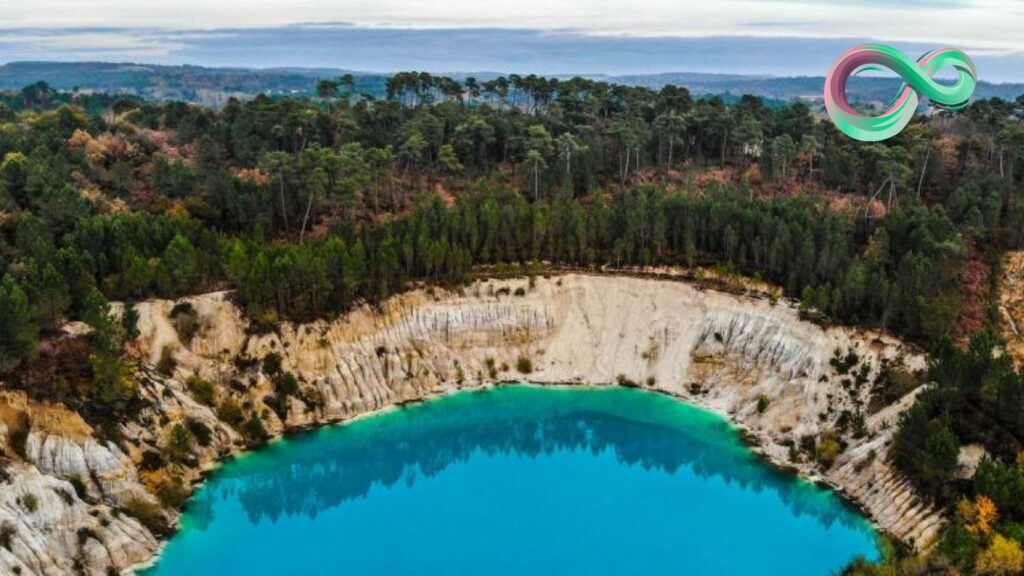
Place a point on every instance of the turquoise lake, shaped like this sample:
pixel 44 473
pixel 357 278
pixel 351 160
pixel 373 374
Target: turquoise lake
pixel 515 480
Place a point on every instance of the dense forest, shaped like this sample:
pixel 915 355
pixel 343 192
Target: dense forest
pixel 306 206
pixel 975 396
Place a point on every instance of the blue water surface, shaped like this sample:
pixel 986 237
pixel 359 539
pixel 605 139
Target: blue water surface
pixel 515 481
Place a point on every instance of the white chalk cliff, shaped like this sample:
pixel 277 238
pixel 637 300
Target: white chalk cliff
pixel 724 352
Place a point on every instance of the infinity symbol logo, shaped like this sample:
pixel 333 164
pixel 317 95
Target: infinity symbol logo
pixel 917 81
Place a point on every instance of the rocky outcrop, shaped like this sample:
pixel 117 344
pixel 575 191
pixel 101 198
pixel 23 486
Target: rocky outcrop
pixel 102 468
pixel 751 360
pixel 57 505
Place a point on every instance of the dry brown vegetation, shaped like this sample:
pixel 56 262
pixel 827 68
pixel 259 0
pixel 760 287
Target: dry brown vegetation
pixel 1011 303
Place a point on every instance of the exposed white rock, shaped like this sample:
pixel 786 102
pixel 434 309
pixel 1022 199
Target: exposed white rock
pixel 969 459
pixel 103 469
pixel 58 532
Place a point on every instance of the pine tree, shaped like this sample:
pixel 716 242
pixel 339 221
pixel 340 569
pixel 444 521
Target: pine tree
pixel 18 331
pixel 179 267
pixel 114 387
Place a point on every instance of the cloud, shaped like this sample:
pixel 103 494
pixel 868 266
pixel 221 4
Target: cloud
pixel 779 50
pixel 995 23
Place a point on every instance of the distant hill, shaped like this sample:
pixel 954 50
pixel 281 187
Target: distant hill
pixel 213 86
pixel 792 87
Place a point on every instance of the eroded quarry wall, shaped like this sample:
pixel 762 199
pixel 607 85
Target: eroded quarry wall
pixel 751 360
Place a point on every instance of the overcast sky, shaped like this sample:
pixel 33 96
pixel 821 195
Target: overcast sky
pixel 144 30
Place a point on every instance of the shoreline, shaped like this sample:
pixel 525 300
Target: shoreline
pixel 745 436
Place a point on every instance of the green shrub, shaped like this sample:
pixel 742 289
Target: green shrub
pixel 278 403
pixel 186 322
pixel 843 364
pixel 1003 484
pixel 623 380
pixel 312 398
pixel 287 384
pixel 244 362
pixel 808 442
pixel 65 495
pixel 827 448
pixel 149 515
pixel 179 443
pixel 167 364
pixel 263 320
pixel 254 431
pixel 200 431
pixel 29 502
pixel 524 365
pixel 892 383
pixel 1013 531
pixel 7 533
pixel 19 438
pixel 272 364
pixel 202 390
pixel 866 461
pixel 85 533
pixel 182 308
pixel 172 492
pixel 229 411
pixel 130 321
pixel 859 425
pixel 109 431
pixel 926 447
pixel 151 460
pixel 762 403
pixel 79 487
pixel 960 545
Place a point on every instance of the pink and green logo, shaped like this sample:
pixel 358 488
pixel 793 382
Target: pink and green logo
pixel 917 82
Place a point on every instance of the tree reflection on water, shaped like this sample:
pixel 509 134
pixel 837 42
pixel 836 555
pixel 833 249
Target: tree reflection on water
pixel 319 470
